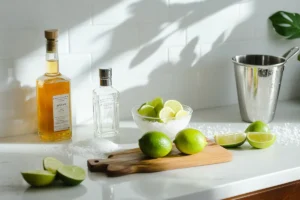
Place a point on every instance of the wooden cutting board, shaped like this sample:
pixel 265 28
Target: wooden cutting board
pixel 134 161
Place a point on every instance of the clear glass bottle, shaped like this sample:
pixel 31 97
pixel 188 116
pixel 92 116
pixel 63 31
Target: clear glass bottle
pixel 106 106
pixel 53 96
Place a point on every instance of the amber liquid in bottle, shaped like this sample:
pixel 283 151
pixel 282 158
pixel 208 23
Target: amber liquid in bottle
pixel 53 97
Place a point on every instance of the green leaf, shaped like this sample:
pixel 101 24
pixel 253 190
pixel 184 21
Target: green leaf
pixel 286 24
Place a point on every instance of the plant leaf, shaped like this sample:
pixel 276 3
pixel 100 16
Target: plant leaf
pixel 286 24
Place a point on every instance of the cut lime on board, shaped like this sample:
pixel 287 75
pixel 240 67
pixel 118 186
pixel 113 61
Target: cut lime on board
pixel 230 140
pixel 38 178
pixel 52 164
pixel 166 114
pixel 147 110
pixel 174 105
pixel 261 140
pixel 71 175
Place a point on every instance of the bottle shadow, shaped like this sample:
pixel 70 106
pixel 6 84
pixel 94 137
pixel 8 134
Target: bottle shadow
pixel 17 105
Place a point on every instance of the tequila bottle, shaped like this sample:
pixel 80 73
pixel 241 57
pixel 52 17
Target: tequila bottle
pixel 53 96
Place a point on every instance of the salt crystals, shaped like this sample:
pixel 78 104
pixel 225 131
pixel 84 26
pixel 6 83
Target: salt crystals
pixel 92 146
pixel 286 133
pixel 86 148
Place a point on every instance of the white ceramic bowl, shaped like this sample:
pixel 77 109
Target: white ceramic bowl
pixel 170 128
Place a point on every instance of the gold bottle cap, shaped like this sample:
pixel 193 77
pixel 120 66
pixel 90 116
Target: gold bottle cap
pixel 51 34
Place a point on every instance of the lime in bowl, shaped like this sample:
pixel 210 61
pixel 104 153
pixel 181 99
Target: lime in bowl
pixel 170 125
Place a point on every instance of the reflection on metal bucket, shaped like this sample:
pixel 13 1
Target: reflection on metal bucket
pixel 258 81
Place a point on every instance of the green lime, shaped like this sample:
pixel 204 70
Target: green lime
pixel 261 140
pixel 174 105
pixel 258 126
pixel 231 140
pixel 157 103
pixel 142 105
pixel 38 178
pixel 71 175
pixel 147 110
pixel 166 114
pixel 52 164
pixel 155 144
pixel 190 141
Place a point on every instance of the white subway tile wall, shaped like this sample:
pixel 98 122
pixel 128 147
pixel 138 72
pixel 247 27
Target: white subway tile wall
pixel 178 49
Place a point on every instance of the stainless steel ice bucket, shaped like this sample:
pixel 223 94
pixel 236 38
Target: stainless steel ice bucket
pixel 258 80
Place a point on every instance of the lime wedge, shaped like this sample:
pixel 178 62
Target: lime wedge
pixel 38 178
pixel 174 105
pixel 157 103
pixel 261 140
pixel 147 110
pixel 71 175
pixel 166 114
pixel 230 140
pixel 52 164
pixel 180 114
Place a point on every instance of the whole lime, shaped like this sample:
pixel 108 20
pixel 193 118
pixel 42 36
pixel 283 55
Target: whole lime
pixel 190 141
pixel 155 144
pixel 258 126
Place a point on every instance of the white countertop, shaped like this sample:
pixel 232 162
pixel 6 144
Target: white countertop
pixel 250 169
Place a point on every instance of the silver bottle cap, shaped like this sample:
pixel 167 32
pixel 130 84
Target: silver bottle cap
pixel 105 76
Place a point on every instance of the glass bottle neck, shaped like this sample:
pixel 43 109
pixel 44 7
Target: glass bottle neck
pixel 52 63
pixel 105 82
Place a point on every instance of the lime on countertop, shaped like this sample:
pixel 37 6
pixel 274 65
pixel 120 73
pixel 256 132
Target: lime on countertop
pixel 190 141
pixel 258 126
pixel 155 144
pixel 230 140
pixel 174 105
pixel 71 175
pixel 261 140
pixel 52 164
pixel 38 178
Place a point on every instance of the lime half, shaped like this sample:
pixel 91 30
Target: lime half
pixel 261 140
pixel 38 178
pixel 166 114
pixel 180 114
pixel 231 140
pixel 52 164
pixel 71 175
pixel 174 105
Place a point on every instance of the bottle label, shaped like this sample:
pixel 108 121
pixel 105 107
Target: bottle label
pixel 61 112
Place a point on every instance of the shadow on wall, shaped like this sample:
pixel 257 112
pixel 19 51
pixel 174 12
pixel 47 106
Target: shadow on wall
pixel 208 80
pixel 189 80
pixel 17 105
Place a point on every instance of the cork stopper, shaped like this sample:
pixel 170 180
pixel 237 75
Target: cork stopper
pixel 51 34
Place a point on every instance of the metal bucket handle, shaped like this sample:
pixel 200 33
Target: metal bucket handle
pixel 290 53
